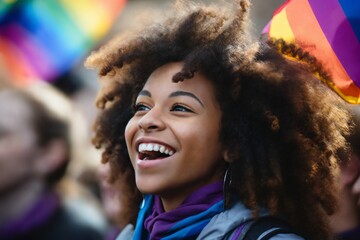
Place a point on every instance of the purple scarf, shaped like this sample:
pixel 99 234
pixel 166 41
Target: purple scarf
pixel 36 216
pixel 188 219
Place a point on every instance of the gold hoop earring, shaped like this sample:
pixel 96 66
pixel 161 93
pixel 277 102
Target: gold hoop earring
pixel 227 187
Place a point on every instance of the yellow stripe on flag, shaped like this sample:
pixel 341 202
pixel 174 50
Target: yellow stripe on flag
pixel 280 27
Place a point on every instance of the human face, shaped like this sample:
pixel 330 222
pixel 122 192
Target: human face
pixel 17 142
pixel 183 120
pixel 111 193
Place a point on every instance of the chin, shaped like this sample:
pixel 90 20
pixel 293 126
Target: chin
pixel 150 184
pixel 146 188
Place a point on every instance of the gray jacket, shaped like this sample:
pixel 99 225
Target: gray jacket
pixel 224 223
pixel 221 225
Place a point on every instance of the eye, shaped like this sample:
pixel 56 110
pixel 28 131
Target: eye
pixel 139 107
pixel 180 108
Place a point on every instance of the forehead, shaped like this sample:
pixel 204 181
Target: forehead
pixel 161 80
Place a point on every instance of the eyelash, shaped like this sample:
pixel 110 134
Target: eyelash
pixel 142 107
pixel 177 105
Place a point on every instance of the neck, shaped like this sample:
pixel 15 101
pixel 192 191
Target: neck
pixel 169 203
pixel 16 202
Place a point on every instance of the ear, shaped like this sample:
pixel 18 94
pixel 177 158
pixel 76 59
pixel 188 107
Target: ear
pixel 226 156
pixel 51 157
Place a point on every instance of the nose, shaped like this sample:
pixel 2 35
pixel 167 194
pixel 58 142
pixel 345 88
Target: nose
pixel 151 121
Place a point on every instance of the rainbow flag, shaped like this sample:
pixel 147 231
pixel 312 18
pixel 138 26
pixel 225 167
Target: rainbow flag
pixel 42 39
pixel 330 31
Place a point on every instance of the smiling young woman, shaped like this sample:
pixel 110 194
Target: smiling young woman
pixel 183 119
pixel 213 129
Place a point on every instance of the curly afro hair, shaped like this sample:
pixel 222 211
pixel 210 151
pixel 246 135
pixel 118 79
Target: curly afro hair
pixel 282 126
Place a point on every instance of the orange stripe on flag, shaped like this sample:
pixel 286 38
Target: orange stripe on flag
pixel 319 46
pixel 20 73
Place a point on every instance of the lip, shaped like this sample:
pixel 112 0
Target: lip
pixel 149 164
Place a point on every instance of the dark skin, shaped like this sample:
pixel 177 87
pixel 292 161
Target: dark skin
pixel 282 126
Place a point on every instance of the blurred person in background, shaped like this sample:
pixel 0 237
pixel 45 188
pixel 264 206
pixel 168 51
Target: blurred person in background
pixel 116 204
pixel 346 221
pixel 35 150
pixel 329 30
pixel 33 51
pixel 111 203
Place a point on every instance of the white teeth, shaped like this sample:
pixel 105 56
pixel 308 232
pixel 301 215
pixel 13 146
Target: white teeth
pixel 142 147
pixel 154 147
pixel 149 147
pixel 162 149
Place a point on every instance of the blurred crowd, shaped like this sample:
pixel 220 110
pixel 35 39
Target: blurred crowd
pixel 52 183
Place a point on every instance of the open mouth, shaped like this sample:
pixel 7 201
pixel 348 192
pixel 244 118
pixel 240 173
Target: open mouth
pixel 151 151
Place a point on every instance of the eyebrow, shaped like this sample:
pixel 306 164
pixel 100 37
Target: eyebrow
pixel 173 94
pixel 144 93
pixel 182 93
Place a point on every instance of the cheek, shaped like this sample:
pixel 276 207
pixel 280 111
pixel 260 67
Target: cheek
pixel 204 138
pixel 130 132
pixel 209 130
